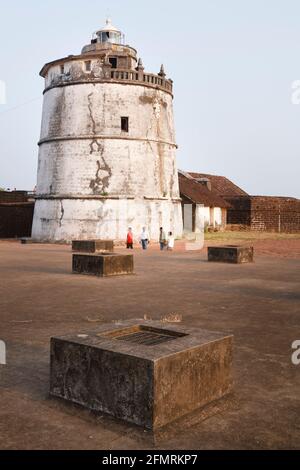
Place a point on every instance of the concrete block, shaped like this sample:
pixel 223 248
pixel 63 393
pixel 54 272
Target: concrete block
pixel 93 246
pixel 231 254
pixel 145 373
pixel 106 264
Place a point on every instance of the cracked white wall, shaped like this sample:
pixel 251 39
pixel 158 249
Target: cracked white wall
pixel 86 161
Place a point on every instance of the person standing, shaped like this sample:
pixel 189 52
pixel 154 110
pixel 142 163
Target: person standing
pixel 162 239
pixel 171 241
pixel 144 238
pixel 129 240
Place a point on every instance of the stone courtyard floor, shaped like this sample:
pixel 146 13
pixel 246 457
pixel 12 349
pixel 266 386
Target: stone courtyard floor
pixel 258 303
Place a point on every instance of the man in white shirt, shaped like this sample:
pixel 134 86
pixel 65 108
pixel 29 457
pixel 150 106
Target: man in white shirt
pixel 144 238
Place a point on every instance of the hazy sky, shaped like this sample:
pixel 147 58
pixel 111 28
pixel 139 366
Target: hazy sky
pixel 233 63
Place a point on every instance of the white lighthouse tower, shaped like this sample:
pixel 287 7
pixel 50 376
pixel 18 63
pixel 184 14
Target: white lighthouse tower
pixel 107 158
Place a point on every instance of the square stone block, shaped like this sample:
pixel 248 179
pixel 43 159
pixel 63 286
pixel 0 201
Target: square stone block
pixel 106 264
pixel 231 254
pixel 145 373
pixel 93 246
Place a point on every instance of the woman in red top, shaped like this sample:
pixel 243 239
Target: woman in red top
pixel 129 241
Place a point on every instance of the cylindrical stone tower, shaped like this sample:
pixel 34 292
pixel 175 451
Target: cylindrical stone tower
pixel 107 158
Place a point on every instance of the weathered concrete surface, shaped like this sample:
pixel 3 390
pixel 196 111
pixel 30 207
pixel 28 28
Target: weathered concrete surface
pixel 99 217
pixel 40 298
pixel 231 254
pixel 142 372
pixel 106 264
pixel 93 246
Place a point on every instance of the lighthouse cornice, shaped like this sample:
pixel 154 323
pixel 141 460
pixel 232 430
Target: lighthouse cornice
pixel 148 80
pixel 92 53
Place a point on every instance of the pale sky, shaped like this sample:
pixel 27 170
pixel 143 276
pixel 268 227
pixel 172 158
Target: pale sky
pixel 233 63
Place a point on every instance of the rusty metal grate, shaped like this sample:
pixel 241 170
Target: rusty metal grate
pixel 147 338
pixel 141 334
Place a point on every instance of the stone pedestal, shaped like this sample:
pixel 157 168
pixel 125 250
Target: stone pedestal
pixel 93 246
pixel 231 254
pixel 142 372
pixel 105 264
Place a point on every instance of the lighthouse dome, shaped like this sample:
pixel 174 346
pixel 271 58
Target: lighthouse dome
pixel 109 34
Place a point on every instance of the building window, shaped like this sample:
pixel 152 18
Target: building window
pixel 114 62
pixel 125 124
pixel 88 66
pixel 62 69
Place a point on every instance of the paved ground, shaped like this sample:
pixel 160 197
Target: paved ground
pixel 258 303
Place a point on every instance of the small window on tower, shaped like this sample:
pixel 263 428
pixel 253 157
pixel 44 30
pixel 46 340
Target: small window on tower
pixel 125 124
pixel 88 66
pixel 62 69
pixel 114 62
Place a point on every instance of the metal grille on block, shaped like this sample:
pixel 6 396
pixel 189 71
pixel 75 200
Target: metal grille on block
pixel 144 335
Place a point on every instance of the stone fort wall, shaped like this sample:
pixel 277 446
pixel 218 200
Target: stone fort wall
pixel 263 213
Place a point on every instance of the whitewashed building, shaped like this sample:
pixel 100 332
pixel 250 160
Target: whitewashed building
pixel 208 208
pixel 107 158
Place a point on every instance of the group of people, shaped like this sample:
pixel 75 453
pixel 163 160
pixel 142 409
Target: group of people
pixel 144 239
